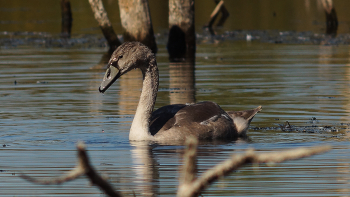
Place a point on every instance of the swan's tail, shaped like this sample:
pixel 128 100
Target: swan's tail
pixel 242 119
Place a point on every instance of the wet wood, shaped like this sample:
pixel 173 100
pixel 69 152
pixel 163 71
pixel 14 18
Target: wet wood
pixel 182 39
pixel 215 13
pixel 190 186
pixel 224 16
pixel 66 19
pixel 101 16
pixel 220 7
pixel 83 167
pixel 136 21
pixel 331 17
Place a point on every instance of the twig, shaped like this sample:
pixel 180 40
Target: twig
pixel 215 13
pixel 71 175
pixel 83 167
pixel 290 127
pixel 237 161
pixel 225 15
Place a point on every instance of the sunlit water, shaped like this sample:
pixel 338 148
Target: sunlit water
pixel 49 101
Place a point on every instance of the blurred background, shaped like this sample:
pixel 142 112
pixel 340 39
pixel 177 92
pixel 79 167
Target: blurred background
pixel 286 15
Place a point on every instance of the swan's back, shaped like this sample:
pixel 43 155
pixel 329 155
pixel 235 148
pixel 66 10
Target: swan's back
pixel 204 120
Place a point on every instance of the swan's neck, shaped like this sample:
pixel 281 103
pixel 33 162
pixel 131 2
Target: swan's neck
pixel 140 125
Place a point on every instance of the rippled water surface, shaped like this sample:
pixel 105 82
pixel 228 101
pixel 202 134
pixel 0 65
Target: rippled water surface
pixel 49 100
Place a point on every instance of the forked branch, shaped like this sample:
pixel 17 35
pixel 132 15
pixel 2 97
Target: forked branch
pixel 197 186
pixel 83 168
pixel 189 184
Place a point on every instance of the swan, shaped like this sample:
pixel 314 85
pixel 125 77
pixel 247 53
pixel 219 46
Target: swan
pixel 204 120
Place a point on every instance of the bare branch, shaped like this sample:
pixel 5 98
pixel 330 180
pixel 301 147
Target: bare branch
pixel 189 185
pixel 237 161
pixel 215 13
pixel 71 175
pixel 220 7
pixel 83 167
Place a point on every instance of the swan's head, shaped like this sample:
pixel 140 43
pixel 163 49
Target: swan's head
pixel 128 56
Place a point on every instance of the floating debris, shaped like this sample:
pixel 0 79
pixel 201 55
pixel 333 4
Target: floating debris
pixel 313 120
pixel 42 82
pixel 45 40
pixel 287 127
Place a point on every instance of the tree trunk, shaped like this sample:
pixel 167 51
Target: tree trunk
pixel 331 17
pixel 182 39
pixel 105 25
pixel 136 21
pixel 66 19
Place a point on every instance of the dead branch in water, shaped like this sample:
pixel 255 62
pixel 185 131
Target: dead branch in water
pixel 331 17
pixel 66 15
pixel 189 184
pixel 83 168
pixel 197 186
pixel 220 7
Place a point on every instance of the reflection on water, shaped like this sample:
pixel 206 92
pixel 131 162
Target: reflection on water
pixel 287 15
pixel 49 101
pixel 182 82
pixel 146 169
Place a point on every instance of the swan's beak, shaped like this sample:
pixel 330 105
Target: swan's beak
pixel 112 74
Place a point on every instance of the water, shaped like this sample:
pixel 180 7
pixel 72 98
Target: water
pixel 49 101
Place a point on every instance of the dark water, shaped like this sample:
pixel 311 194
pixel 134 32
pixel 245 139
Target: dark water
pixel 49 101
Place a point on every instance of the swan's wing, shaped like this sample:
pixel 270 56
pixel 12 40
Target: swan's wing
pixel 205 120
pixel 162 118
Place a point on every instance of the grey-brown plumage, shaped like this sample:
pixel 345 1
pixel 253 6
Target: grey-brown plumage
pixel 205 120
